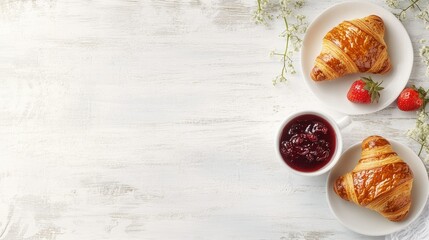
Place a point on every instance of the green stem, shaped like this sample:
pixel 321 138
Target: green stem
pixel 259 5
pixel 411 5
pixel 286 24
pixel 286 47
pixel 425 101
pixel 420 151
pixel 421 146
pixel 418 7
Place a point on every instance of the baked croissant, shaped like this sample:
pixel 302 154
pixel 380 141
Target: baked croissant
pixel 381 181
pixel 352 47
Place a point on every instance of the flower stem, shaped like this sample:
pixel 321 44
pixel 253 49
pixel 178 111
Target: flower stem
pixel 420 151
pixel 413 3
pixel 286 47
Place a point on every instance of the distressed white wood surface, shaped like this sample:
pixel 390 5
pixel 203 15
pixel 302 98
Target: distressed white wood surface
pixel 127 119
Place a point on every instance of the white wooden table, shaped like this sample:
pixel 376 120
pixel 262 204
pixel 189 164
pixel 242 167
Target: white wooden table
pixel 126 119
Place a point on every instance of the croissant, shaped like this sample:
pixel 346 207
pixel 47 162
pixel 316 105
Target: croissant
pixel 352 47
pixel 381 181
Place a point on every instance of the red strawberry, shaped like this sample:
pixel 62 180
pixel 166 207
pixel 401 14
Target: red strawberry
pixel 411 99
pixel 364 90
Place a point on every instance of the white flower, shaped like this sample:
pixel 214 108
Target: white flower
pixel 299 3
pixel 420 132
pixel 424 53
pixel 261 15
pixel 392 3
pixel 300 17
pixel 295 25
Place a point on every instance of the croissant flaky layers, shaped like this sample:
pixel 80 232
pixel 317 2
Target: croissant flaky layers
pixel 381 181
pixel 352 47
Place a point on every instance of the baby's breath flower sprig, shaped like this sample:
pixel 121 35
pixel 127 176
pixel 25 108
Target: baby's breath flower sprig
pixel 392 3
pixel 261 14
pixel 419 8
pixel 295 25
pixel 420 132
pixel 424 54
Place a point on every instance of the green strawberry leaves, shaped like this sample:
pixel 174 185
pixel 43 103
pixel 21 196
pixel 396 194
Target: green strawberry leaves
pixel 422 95
pixel 373 88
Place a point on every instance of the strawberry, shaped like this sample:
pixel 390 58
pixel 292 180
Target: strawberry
pixel 364 90
pixel 412 98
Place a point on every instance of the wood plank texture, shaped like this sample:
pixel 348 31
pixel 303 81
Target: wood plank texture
pixel 125 119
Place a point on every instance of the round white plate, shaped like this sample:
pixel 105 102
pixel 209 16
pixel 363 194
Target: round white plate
pixel 334 93
pixel 368 222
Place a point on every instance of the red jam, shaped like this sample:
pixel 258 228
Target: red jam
pixel 307 143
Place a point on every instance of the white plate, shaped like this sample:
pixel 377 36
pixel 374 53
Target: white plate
pixel 334 93
pixel 368 222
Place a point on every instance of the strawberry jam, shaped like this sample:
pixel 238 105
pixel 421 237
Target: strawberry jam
pixel 307 143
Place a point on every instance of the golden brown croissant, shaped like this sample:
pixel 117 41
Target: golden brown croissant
pixel 351 47
pixel 381 181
